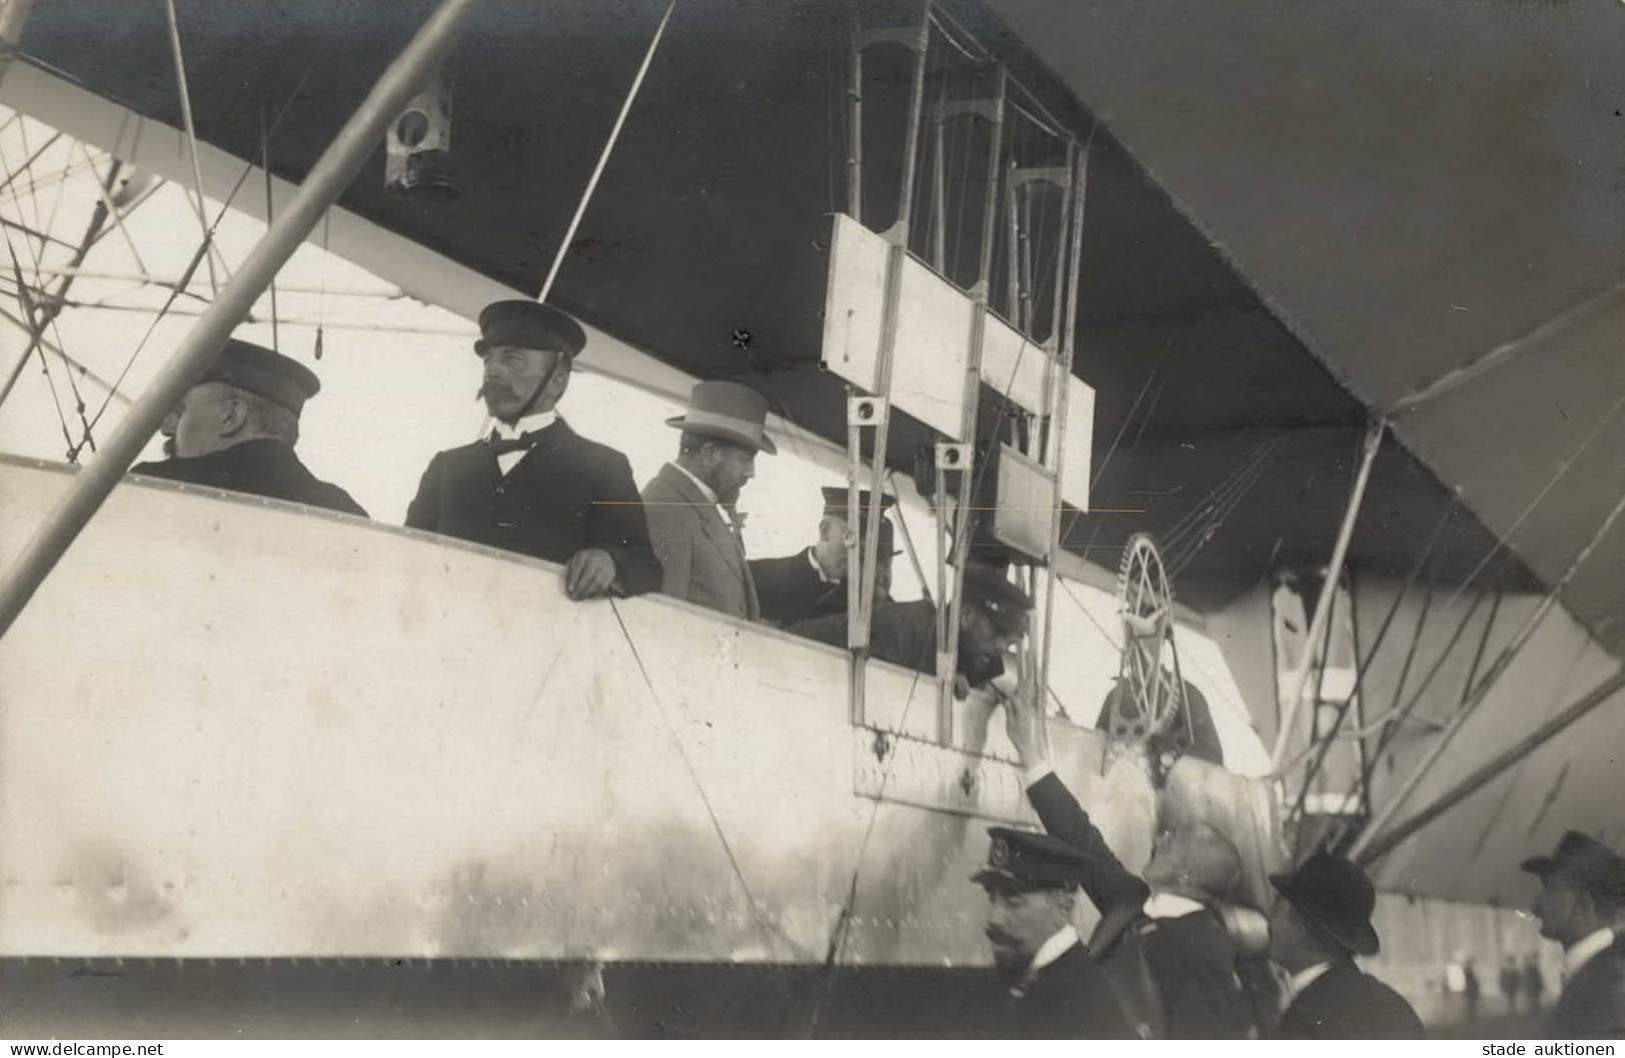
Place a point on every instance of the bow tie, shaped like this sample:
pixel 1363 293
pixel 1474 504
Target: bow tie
pixel 503 445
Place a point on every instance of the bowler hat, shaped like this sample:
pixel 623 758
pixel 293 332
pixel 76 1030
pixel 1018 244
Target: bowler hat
pixel 727 411
pixel 528 325
pixel 1591 865
pixel 261 371
pixel 1020 860
pixel 1335 895
pixel 835 497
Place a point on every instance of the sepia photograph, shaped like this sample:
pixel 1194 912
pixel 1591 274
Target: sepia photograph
pixel 812 520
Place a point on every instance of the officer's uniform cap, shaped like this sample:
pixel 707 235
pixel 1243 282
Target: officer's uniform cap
pixel 265 373
pixel 528 325
pixel 1021 860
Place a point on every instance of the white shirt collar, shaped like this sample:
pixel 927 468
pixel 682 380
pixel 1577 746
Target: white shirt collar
pixel 1586 949
pixel 1304 978
pixel 1171 905
pixel 812 560
pixel 705 490
pixel 1048 952
pixel 528 424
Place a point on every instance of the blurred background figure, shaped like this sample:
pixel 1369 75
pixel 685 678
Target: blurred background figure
pixel 1511 983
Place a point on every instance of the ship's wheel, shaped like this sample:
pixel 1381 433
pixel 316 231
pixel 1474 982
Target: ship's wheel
pixel 1147 706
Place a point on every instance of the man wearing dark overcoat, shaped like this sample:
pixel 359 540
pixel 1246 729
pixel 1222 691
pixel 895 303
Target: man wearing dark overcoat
pixel 1195 990
pixel 812 582
pixel 1581 905
pixel 533 485
pixel 1053 988
pixel 1320 923
pixel 236 427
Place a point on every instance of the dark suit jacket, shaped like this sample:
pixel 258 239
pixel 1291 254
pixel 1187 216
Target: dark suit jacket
pixel 1117 893
pixel 1345 1004
pixel 790 590
pixel 700 558
pixel 566 495
pixel 263 467
pixel 1071 999
pixel 1109 885
pixel 1193 961
pixel 1592 1005
pixel 903 633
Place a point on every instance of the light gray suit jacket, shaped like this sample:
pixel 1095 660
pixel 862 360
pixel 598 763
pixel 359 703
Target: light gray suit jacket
pixel 701 558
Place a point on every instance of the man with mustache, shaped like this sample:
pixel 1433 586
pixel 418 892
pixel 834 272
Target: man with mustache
pixel 690 503
pixel 992 619
pixel 534 486
pixel 236 428
pixel 1055 989
pixel 1581 905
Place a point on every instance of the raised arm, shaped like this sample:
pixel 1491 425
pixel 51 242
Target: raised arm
pixel 1110 885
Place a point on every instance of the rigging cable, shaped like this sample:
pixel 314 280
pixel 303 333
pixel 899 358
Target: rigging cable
pixel 321 296
pixel 38 319
pixel 184 90
pixel 57 299
pixel 1322 746
pixel 203 249
pixel 35 336
pixel 1495 549
pixel 843 921
pixel 682 751
pixel 1374 830
pixel 270 211
pixel 603 157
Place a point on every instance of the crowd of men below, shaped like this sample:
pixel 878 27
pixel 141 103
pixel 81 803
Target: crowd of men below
pixel 1167 958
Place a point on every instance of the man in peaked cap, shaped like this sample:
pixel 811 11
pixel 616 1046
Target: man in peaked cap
pixel 691 503
pixel 1580 904
pixel 534 486
pixel 812 582
pixel 992 618
pixel 1321 922
pixel 236 428
pixel 1055 989
pixel 1173 920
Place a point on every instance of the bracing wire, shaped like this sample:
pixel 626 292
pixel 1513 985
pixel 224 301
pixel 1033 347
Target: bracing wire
pixel 204 248
pixel 1323 746
pixel 843 920
pixel 693 774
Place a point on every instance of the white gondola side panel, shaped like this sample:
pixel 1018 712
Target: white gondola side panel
pixel 236 727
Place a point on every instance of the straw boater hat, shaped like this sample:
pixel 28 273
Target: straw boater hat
pixel 728 412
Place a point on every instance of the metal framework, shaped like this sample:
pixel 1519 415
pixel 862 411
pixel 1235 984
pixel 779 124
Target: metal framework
pixel 332 172
pixel 1317 626
pixel 1007 198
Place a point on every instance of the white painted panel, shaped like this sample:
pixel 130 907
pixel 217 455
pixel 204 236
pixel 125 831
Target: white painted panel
pixel 1026 504
pixel 854 303
pixel 932 350
pixel 235 727
pixel 1079 442
pixel 1013 365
